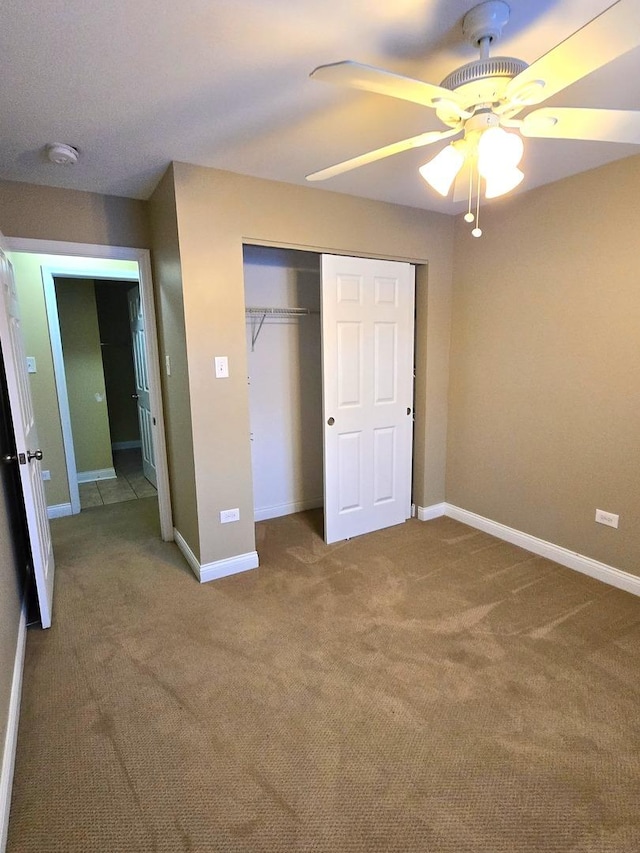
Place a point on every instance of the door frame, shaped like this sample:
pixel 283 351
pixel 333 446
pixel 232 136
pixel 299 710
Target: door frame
pixel 53 321
pixel 99 253
pixel 421 283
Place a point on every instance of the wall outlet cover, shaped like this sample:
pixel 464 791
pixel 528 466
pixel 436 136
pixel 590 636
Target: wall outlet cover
pixel 227 515
pixel 608 518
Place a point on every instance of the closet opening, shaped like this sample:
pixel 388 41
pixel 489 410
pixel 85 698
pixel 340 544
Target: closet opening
pixel 330 351
pixel 284 356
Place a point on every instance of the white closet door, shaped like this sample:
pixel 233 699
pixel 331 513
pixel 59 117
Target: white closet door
pixel 367 364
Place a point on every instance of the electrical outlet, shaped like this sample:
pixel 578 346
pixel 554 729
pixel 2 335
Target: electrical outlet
pixel 227 515
pixel 31 364
pixel 46 475
pixel 608 518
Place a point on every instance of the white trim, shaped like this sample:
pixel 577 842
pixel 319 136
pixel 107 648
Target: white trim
pixel 219 568
pixel 427 513
pixel 98 474
pixel 570 559
pixel 266 512
pixel 142 257
pixel 126 445
pixel 60 377
pixel 11 737
pixel 97 251
pixel 59 510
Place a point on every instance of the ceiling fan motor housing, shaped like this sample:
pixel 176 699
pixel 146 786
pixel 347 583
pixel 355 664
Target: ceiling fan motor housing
pixel 484 80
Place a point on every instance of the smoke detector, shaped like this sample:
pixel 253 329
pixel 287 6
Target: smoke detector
pixel 62 154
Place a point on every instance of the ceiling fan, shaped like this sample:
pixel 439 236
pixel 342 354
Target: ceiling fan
pixel 479 102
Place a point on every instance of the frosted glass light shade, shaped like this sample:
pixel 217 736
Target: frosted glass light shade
pixel 498 151
pixel 501 182
pixel 441 172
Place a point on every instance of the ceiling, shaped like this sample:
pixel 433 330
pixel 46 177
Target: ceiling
pixel 224 83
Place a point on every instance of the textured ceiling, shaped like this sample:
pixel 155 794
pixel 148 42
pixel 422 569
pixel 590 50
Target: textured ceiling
pixel 225 84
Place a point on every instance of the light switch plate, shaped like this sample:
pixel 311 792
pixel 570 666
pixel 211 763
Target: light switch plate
pixel 31 364
pixel 222 367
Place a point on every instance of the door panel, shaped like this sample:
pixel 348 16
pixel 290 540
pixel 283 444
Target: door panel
pixel 145 418
pixel 367 321
pixel 26 442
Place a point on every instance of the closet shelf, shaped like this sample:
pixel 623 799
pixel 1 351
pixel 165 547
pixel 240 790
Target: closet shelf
pixel 263 313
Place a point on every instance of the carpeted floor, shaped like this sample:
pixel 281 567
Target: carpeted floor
pixel 425 688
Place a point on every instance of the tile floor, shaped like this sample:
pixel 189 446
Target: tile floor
pixel 129 484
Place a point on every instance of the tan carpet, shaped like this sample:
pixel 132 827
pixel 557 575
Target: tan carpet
pixel 424 688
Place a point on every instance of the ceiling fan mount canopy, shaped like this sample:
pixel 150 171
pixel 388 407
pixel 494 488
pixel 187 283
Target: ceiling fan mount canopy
pixel 483 24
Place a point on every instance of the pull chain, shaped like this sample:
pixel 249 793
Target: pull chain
pixel 477 231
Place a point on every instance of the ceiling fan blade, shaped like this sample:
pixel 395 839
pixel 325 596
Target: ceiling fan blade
pixel 611 34
pixel 579 123
pixel 371 156
pixel 371 79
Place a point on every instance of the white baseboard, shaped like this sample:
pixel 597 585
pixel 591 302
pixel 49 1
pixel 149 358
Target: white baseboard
pixel 426 513
pixel 266 512
pixel 11 737
pixel 219 568
pixel 126 445
pixel 59 511
pixel 98 474
pixel 570 559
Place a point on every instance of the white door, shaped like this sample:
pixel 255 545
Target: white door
pixel 367 365
pixel 145 418
pixel 28 452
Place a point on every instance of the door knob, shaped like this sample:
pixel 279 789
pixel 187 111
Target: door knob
pixel 8 457
pixel 135 396
pixel 331 421
pixel 36 454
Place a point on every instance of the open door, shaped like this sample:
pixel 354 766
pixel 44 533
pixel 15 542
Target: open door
pixel 145 418
pixel 367 367
pixel 28 454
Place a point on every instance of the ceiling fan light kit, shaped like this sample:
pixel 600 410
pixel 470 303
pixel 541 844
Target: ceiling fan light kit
pixel 482 98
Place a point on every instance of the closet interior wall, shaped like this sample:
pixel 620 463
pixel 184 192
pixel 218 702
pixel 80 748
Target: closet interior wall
pixel 285 380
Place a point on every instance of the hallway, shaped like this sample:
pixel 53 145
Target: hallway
pixel 130 483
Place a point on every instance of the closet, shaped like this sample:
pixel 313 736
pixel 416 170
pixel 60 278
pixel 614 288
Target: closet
pixel 282 299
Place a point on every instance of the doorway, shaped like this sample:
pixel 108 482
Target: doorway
pixel 101 386
pixel 38 266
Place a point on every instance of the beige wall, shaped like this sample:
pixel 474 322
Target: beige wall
pixel 167 277
pixel 50 213
pixel 544 422
pixel 216 212
pixel 28 275
pixel 86 392
pixel 27 270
